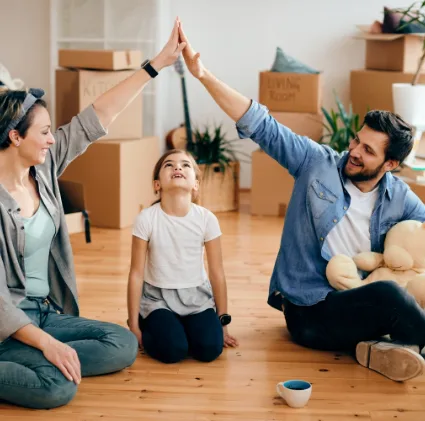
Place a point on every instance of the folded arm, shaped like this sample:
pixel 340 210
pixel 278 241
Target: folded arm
pixel 16 324
pixel 12 318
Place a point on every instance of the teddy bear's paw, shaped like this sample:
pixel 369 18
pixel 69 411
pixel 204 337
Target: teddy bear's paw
pixel 341 272
pixel 368 261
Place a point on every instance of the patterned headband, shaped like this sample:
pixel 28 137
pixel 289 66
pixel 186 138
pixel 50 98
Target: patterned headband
pixel 32 96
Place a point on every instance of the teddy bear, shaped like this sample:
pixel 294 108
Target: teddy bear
pixel 403 261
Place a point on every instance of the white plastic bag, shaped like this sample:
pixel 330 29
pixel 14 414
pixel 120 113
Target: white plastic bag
pixel 7 80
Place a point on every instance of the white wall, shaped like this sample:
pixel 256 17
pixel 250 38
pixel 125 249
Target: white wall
pixel 238 38
pixel 24 41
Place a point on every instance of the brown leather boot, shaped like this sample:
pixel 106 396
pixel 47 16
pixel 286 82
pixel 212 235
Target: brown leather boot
pixel 396 361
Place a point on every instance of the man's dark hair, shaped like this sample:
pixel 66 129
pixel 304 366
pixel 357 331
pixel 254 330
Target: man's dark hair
pixel 400 133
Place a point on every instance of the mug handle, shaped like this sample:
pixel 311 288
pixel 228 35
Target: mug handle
pixel 279 389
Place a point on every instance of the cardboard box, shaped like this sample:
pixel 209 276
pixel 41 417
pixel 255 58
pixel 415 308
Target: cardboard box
pixel 412 173
pixel 417 187
pixel 420 152
pixel 414 170
pixel 373 89
pixel 74 206
pixel 395 52
pixel 100 59
pixel 76 89
pixel 291 92
pixel 304 124
pixel 117 177
pixel 271 187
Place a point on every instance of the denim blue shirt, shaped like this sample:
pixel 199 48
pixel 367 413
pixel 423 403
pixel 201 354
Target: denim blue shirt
pixel 319 201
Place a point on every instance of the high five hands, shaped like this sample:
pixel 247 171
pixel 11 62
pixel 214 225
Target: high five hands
pixel 171 50
pixel 191 57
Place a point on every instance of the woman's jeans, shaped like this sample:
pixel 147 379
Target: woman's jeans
pixel 28 379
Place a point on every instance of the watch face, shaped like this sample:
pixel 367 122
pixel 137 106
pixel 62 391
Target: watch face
pixel 225 319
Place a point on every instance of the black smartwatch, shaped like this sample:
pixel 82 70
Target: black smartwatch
pixel 225 319
pixel 146 65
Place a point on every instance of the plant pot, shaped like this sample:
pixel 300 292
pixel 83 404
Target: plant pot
pixel 219 191
pixel 409 103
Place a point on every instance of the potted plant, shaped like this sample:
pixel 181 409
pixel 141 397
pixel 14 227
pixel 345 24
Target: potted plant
pixel 340 126
pixel 216 157
pixel 409 98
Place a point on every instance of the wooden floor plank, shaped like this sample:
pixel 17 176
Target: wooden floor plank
pixel 240 385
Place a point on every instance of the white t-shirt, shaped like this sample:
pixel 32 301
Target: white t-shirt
pixel 175 257
pixel 352 234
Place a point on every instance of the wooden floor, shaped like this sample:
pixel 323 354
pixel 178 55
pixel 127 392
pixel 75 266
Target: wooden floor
pixel 240 385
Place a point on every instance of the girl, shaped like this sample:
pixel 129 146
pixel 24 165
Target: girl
pixel 170 298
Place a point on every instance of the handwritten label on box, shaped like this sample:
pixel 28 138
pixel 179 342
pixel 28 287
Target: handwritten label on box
pixel 284 89
pixel 290 92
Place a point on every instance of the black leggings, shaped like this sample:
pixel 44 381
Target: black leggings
pixel 170 338
pixel 346 318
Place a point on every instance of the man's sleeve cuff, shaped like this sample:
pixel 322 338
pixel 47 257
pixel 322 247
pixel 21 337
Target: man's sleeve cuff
pixel 249 122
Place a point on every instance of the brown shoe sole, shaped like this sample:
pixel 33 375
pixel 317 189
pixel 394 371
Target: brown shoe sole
pixel 397 362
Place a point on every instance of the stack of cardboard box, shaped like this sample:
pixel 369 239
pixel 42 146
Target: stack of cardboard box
pixel 294 100
pixel 116 170
pixel 389 58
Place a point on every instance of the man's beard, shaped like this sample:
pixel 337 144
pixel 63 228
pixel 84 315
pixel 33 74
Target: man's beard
pixel 365 175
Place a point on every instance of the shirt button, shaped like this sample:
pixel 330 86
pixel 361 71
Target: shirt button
pixel 345 207
pixel 321 238
pixel 335 221
pixel 22 228
pixel 19 209
pixel 320 194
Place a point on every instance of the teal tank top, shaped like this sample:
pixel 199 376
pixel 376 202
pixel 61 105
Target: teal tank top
pixel 39 232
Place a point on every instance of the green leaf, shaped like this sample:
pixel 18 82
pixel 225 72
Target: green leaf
pixel 340 126
pixel 330 120
pixel 415 13
pixel 211 147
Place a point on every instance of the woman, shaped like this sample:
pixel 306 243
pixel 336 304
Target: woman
pixel 45 347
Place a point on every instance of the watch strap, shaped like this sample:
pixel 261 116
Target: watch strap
pixel 146 65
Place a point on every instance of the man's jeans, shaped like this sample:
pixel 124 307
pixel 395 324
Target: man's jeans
pixel 346 318
pixel 28 379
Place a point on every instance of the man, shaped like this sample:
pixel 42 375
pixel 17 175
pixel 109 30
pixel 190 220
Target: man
pixel 341 204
